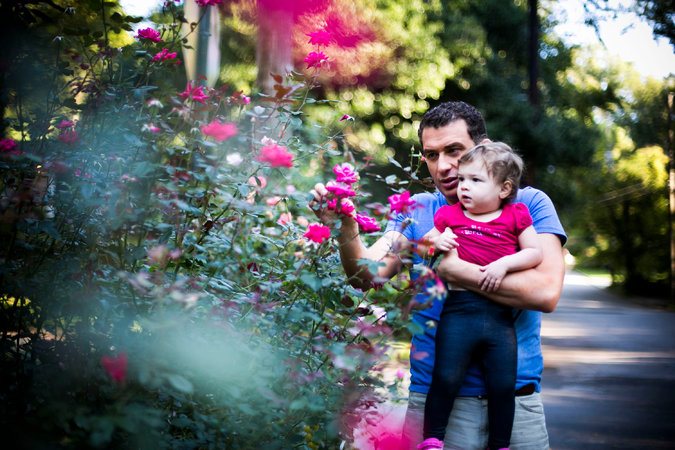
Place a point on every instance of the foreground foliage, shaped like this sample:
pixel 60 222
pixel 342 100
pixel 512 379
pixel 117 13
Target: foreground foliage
pixel 159 285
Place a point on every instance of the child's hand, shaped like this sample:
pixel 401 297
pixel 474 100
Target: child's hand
pixel 492 276
pixel 446 241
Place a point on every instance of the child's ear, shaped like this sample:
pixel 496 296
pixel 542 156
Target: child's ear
pixel 506 189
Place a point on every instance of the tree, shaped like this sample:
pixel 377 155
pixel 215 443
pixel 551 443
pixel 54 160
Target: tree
pixel 660 13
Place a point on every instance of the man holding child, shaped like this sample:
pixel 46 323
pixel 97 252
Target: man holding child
pixel 446 132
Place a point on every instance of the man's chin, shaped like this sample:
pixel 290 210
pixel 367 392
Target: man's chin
pixel 450 196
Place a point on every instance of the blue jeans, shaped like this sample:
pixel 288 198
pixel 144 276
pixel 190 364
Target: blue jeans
pixel 472 326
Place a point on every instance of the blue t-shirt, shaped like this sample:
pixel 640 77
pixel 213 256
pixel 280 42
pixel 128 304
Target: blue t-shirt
pixel 527 323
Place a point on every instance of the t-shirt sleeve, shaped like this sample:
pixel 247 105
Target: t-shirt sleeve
pixel 544 216
pixel 522 217
pixel 402 223
pixel 442 218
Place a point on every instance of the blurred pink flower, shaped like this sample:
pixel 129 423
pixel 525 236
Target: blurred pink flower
pixel 340 189
pixel 314 59
pixel 240 98
pixel 345 173
pixel 68 136
pixel 346 207
pixel 149 34
pixel 8 145
pixel 276 156
pixel 116 367
pixel 317 233
pixel 401 203
pixel 320 37
pixel 153 102
pixel 367 224
pixel 258 181
pixel 163 55
pixel 65 124
pixel 151 127
pixel 381 432
pixel 205 3
pixel 346 117
pixel 285 218
pixel 273 200
pixel 220 131
pixel 195 93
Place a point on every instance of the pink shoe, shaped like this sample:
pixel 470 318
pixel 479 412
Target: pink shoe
pixel 430 443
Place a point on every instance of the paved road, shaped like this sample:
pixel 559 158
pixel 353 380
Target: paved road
pixel 609 378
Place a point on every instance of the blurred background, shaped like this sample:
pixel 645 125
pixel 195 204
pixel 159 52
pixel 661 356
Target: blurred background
pixel 582 89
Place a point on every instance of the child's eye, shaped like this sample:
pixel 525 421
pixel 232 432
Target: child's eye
pixel 476 180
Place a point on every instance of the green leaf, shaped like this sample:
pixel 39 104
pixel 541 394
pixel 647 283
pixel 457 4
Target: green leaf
pixel 299 403
pixel 50 229
pixel 180 383
pixel 394 162
pixel 371 265
pixel 312 281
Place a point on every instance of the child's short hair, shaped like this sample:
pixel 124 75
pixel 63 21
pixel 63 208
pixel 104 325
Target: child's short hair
pixel 501 162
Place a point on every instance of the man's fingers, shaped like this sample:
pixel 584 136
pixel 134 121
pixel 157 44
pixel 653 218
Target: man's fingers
pixel 319 193
pixel 320 189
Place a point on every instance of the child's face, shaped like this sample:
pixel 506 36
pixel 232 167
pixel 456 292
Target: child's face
pixel 477 190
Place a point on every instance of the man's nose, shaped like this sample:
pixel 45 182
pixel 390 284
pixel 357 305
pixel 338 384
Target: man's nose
pixel 447 163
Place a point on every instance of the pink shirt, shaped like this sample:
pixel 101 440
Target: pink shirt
pixel 484 242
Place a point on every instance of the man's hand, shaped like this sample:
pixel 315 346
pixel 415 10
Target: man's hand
pixel 320 205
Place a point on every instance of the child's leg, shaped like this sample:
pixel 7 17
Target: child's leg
pixel 500 361
pixel 456 338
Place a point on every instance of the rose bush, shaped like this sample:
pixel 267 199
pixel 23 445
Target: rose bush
pixel 161 285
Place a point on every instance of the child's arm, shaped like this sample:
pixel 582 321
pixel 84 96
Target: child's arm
pixel 529 256
pixel 440 242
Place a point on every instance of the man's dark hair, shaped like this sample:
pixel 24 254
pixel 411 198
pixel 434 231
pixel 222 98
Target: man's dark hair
pixel 445 113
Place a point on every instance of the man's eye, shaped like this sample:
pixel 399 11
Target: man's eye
pixel 432 156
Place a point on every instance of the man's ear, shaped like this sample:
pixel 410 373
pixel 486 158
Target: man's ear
pixel 485 141
pixel 506 189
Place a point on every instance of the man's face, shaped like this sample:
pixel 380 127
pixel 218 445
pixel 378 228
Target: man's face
pixel 442 147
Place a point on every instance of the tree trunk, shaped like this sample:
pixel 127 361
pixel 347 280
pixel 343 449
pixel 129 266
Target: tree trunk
pixel 203 58
pixel 275 43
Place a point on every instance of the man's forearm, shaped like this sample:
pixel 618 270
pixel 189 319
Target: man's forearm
pixel 352 249
pixel 535 289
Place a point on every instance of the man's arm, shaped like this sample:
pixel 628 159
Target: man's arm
pixel 535 289
pixel 385 250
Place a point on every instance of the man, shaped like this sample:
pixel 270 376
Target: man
pixel 446 132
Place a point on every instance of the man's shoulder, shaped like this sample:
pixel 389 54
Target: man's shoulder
pixel 528 194
pixel 427 205
pixel 428 197
pixel 544 216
